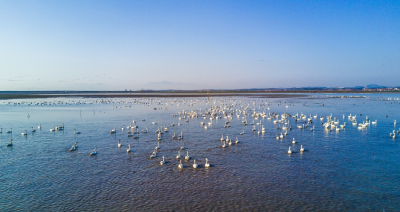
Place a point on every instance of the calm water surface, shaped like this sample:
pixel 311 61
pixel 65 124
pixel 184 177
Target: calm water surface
pixel 351 170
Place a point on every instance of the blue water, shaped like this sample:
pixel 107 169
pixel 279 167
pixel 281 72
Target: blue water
pixel 351 170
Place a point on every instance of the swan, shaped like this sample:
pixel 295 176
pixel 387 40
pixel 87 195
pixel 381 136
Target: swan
pixel 123 127
pixel 154 154
pixel 94 152
pixel 174 136
pixel 195 164
pixel 158 146
pixel 73 148
pixel 277 137
pixel 187 157
pixel 129 147
pixel 40 126
pixel 113 131
pixel 24 133
pixel 293 142
pixel 10 144
pixel 163 161
pixel 237 140
pixel 289 151
pixel 10 131
pixel 230 142
pixel 281 136
pixel 180 164
pixel 75 132
pixel 179 155
pixel 33 130
pixel 301 148
pixel 224 145
pixel 207 164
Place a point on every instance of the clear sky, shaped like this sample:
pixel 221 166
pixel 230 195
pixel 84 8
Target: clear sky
pixel 116 45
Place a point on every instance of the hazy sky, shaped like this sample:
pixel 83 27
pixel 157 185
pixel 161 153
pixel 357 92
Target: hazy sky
pixel 115 45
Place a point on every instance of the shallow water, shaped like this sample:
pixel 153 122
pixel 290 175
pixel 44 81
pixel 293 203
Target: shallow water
pixel 347 170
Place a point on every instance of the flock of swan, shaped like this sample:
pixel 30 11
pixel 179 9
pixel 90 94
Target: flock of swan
pixel 245 111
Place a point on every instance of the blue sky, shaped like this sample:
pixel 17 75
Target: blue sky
pixel 115 45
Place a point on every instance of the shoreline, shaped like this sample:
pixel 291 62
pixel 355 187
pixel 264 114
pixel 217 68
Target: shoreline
pixel 147 95
pixel 7 95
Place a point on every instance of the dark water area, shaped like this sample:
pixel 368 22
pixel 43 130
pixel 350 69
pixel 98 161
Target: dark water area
pixel 348 170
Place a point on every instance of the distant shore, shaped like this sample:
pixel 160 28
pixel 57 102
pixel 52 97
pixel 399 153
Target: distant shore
pixel 146 95
pixel 5 95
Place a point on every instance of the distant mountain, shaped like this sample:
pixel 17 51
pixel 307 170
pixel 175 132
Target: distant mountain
pixel 374 86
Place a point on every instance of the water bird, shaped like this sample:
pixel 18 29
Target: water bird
pixel 293 142
pixel 40 126
pixel 180 164
pixel 94 152
pixel 224 145
pixel 129 147
pixel 289 151
pixel 73 148
pixel 158 146
pixel 24 133
pixel 195 164
pixel 10 144
pixel 179 155
pixel 163 161
pixel 33 130
pixel 301 148
pixel 207 164
pixel 187 157
pixel 75 132
pixel 114 130
pixel 10 131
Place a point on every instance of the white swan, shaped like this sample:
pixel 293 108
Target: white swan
pixel 94 152
pixel 224 145
pixel 10 144
pixel 207 164
pixel 179 155
pixel 293 142
pixel 289 151
pixel 158 146
pixel 301 148
pixel 195 164
pixel 40 126
pixel 163 161
pixel 129 147
pixel 180 164
pixel 187 157
pixel 119 144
